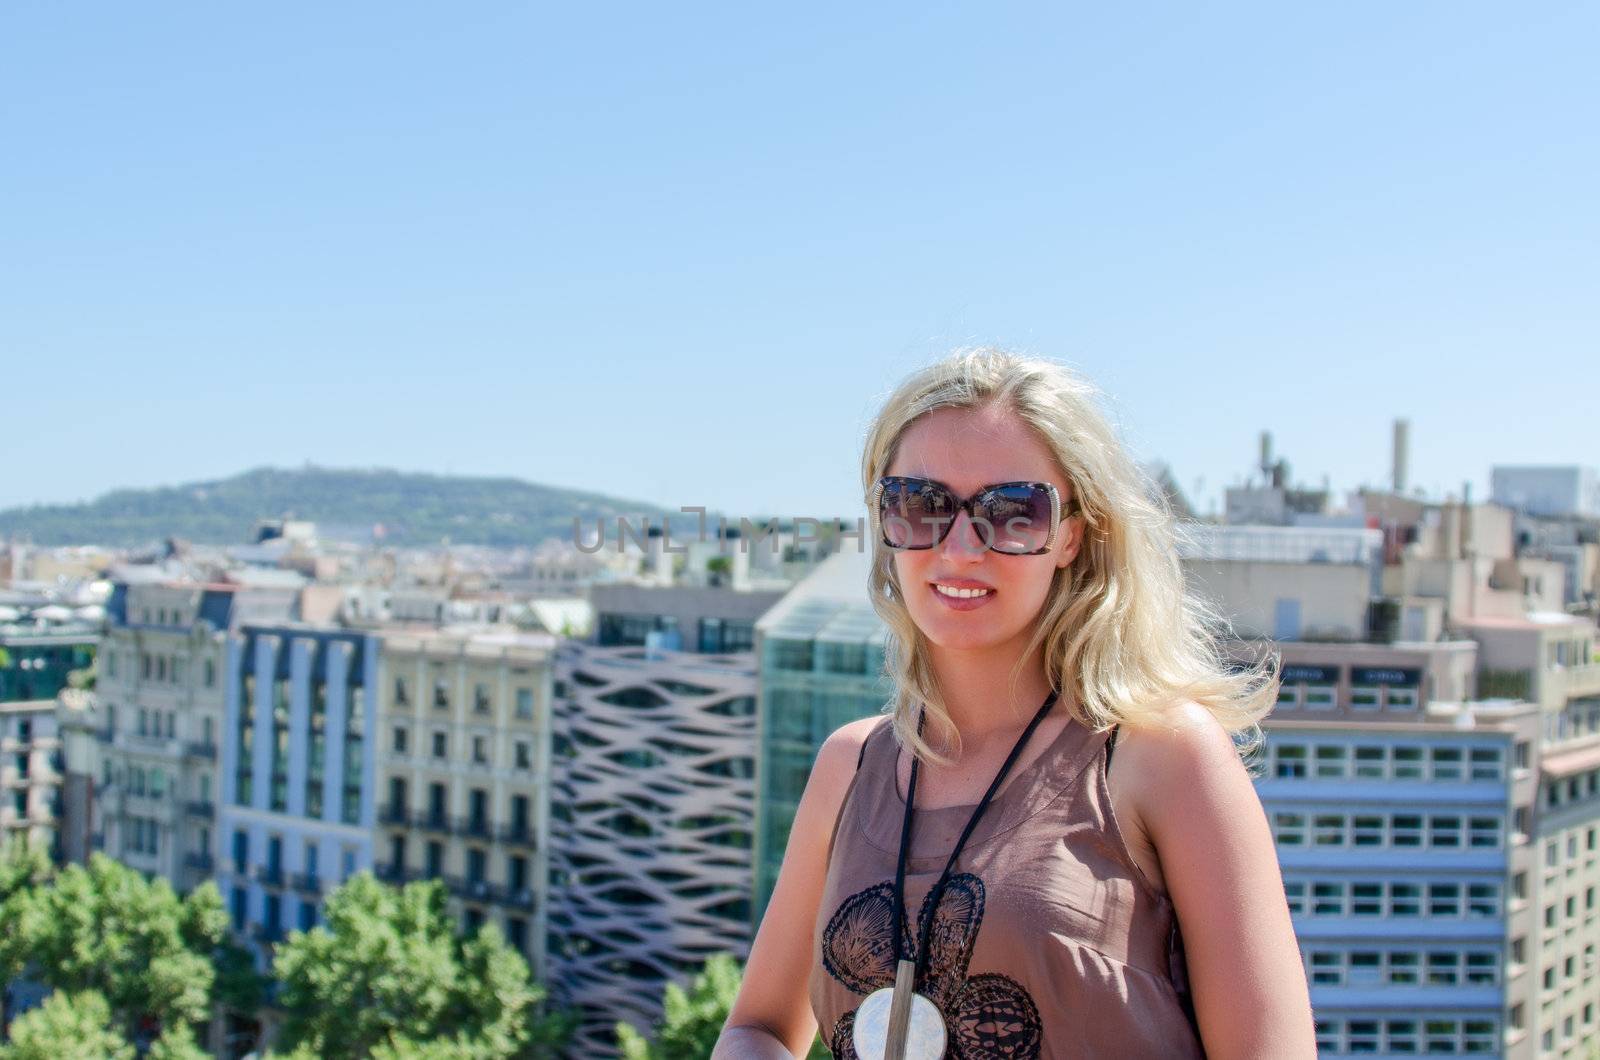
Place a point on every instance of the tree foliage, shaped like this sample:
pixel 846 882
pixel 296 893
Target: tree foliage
pixel 68 1026
pixel 388 976
pixel 692 1020
pixel 149 955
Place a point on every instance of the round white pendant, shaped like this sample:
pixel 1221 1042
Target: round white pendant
pixel 925 1034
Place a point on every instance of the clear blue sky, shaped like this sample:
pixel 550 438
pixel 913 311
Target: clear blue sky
pixel 678 252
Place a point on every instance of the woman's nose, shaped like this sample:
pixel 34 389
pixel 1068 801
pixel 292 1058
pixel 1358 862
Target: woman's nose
pixel 966 538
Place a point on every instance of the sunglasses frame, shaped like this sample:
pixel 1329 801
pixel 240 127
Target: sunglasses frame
pixel 964 504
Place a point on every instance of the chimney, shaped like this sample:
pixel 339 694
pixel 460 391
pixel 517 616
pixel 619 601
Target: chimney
pixel 1402 430
pixel 740 558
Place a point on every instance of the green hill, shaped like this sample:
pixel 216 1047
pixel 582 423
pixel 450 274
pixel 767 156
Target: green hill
pixel 414 509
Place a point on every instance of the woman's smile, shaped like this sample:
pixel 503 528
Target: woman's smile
pixel 961 594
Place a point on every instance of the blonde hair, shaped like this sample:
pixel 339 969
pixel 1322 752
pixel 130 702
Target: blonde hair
pixel 1118 621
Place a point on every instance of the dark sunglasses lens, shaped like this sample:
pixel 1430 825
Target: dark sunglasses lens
pixel 1019 517
pixel 914 515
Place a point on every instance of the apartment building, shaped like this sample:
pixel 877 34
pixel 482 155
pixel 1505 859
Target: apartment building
pixel 298 773
pixel 1430 778
pixel 31 770
pixel 158 715
pixel 1404 818
pixel 653 797
pixel 463 733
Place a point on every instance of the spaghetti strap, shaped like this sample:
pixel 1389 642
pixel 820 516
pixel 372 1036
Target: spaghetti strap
pixel 1111 743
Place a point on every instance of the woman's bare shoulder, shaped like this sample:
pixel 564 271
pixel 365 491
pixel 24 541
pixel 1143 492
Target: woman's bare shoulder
pixel 842 748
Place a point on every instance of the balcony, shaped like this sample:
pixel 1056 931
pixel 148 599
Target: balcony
pixel 1576 681
pixel 432 821
pixel 308 882
pixel 474 827
pixel 390 813
pixel 472 890
pixel 268 933
pixel 390 873
pixel 269 875
pixel 515 898
pixel 144 743
pixel 200 808
pixel 199 862
pixel 201 749
pixel 517 833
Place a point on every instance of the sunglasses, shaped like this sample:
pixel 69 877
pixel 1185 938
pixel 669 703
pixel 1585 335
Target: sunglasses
pixel 1013 518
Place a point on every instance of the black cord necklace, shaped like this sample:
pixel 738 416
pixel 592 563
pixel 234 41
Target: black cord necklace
pixel 897 1023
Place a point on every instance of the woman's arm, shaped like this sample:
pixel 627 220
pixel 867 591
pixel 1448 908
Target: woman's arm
pixel 771 1019
pixel 1199 808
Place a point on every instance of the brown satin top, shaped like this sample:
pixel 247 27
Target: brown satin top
pixel 1049 941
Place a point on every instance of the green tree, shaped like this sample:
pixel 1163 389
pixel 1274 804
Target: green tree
pixel 107 929
pixel 24 867
pixel 692 1019
pixel 388 976
pixel 67 1027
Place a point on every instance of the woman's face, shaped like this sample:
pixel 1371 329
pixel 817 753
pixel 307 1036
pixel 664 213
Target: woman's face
pixel 967 450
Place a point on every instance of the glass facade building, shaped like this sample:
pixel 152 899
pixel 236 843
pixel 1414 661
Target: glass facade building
pixel 821 656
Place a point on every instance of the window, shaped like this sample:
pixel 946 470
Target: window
pixel 441 694
pixel 1408 763
pixel 481 703
pixel 524 702
pixel 1402 698
pixel 1329 830
pixel 1370 762
pixel 1444 967
pixel 401 739
pixel 1330 761
pixel 441 745
pixel 1484 832
pixel 1364 697
pixel 1295 892
pixel 1406 830
pixel 1291 760
pixel 1447 763
pixel 1488 763
pixel 1403 967
pixel 211 673
pixel 524 755
pixel 1444 832
pixel 1327 968
pixel 480 750
pixel 1483 899
pixel 1444 899
pixel 1366 899
pixel 1289 829
pixel 1328 899
pixel 1367 830
pixel 401 696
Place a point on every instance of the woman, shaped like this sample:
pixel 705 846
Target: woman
pixel 974 846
